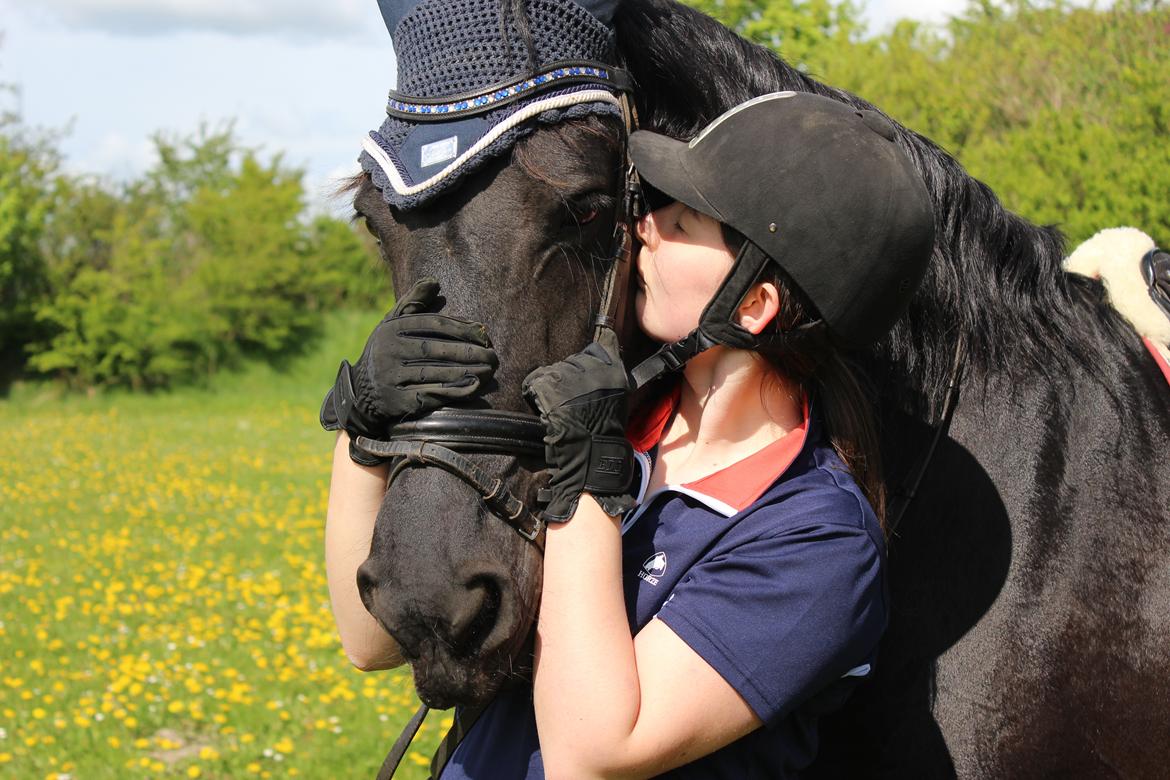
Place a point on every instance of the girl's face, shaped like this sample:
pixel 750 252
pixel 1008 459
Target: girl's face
pixel 681 264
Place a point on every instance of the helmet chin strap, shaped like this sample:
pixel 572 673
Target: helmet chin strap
pixel 717 323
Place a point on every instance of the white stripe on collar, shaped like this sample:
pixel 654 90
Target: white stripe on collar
pixel 644 499
pixel 524 114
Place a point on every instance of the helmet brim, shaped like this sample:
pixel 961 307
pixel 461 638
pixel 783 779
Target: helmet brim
pixel 662 162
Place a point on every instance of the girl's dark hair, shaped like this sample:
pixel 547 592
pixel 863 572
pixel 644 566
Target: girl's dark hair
pixel 823 370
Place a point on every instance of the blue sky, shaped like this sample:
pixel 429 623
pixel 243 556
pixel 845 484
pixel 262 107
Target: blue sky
pixel 304 77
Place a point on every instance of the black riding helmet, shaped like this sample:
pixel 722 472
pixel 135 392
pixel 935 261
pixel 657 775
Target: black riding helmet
pixel 817 187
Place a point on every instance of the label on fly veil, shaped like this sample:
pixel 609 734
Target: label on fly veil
pixel 440 151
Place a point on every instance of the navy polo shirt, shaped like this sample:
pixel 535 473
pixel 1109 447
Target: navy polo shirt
pixel 772 570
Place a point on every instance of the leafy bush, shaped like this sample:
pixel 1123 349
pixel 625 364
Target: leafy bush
pixel 807 33
pixel 203 262
pixel 1063 110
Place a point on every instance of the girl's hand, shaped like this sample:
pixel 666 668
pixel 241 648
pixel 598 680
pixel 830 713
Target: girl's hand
pixel 415 361
pixel 582 401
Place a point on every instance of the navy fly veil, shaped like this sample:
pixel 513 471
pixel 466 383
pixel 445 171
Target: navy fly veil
pixel 471 83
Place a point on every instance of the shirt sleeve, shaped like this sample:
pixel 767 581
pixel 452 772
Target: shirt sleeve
pixel 783 617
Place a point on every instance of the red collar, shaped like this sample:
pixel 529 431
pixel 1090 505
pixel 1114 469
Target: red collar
pixel 737 485
pixel 649 420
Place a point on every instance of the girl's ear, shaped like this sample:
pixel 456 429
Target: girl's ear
pixel 759 307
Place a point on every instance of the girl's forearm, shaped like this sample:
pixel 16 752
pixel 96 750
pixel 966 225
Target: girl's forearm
pixel 586 677
pixel 355 493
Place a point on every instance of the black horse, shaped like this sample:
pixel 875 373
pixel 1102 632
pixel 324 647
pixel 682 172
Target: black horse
pixel 1030 577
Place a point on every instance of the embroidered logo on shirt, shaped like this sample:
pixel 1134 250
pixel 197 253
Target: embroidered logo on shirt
pixel 653 568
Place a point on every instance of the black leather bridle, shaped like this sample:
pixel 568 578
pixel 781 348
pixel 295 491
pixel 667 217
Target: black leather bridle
pixel 437 441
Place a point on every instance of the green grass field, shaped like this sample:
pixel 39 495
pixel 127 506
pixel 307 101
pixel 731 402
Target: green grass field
pixel 163 604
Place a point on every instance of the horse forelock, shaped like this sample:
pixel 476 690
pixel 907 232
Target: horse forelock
pixel 995 280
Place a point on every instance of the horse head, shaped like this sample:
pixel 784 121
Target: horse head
pixel 521 244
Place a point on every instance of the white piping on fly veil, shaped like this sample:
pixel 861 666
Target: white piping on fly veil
pixel 529 111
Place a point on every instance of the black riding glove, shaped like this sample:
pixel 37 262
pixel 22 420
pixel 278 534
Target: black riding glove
pixel 582 401
pixel 415 361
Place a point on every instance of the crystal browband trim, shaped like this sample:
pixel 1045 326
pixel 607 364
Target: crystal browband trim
pixel 522 115
pixel 419 109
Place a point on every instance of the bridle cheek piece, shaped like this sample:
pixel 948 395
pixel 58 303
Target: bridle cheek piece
pixel 443 438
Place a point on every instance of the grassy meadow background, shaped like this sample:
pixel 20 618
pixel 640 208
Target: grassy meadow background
pixel 163 603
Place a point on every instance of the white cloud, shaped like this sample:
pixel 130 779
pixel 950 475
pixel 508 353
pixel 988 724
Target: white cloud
pixel 881 14
pixel 311 18
pixel 115 155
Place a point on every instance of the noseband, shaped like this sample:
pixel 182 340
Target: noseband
pixel 443 438
pixel 438 439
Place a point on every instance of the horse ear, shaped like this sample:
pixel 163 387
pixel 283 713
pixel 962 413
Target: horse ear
pixel 393 11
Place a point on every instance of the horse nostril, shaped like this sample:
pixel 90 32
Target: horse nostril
pixel 366 583
pixel 477 616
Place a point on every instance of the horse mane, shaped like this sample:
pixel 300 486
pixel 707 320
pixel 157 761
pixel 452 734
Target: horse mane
pixel 995 280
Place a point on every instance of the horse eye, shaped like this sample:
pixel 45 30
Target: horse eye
pixel 584 209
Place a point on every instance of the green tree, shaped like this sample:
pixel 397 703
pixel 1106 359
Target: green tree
pixel 124 323
pixel 351 272
pixel 1062 110
pixel 27 167
pixel 203 262
pixel 805 32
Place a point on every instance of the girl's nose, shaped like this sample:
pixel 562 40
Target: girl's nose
pixel 647 231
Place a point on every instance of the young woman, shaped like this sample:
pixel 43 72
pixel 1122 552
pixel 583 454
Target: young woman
pixel 702 621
